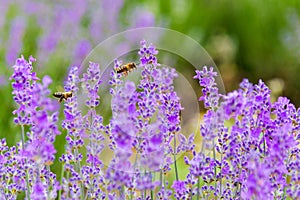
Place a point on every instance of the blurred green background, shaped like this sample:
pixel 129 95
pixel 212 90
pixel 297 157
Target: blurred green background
pixel 246 39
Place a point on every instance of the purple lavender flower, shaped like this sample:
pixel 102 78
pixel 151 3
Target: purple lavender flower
pixel 210 95
pixel 164 193
pixel 144 181
pixel 123 129
pixel 38 191
pixel 120 172
pixel 147 54
pixel 91 81
pixel 37 110
pixel 24 81
pixel 255 150
pixel 11 171
pixel 157 96
pixel 44 129
pixel 257 184
pixel 186 144
pixel 144 120
pixel 73 123
pixel 92 172
pixel 180 189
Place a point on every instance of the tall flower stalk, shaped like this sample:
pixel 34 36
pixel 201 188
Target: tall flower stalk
pixel 73 123
pixel 92 172
pixel 36 111
pixel 24 80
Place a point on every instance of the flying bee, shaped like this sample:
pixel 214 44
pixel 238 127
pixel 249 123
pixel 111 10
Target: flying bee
pixel 62 95
pixel 124 69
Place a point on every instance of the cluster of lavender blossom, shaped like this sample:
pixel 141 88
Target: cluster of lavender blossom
pixel 250 146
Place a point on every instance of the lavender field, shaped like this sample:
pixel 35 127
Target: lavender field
pixel 249 145
pixel 149 100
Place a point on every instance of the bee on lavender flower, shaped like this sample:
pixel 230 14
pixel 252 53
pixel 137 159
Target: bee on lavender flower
pixel 124 69
pixel 62 95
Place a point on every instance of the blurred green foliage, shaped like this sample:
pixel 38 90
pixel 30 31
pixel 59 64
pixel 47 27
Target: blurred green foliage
pixel 247 39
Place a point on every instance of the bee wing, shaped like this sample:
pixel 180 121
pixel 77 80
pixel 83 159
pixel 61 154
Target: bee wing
pixel 59 88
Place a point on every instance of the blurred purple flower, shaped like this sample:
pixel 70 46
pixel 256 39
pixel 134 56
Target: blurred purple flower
pixel 38 191
pixel 145 182
pixel 3 80
pixel 14 42
pixel 82 49
pixel 257 184
pixel 114 8
pixel 141 17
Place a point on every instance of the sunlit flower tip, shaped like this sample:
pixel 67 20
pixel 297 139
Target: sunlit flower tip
pixel 179 187
pixel 245 84
pixel 147 54
pixel 205 73
pixel 143 42
pixel 32 59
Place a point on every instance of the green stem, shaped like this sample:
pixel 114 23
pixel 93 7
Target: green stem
pixel 202 148
pixel 92 146
pixel 264 143
pixel 61 179
pixel 23 137
pixel 79 170
pixel 198 182
pixel 175 163
pixel 284 193
pixel 68 178
pixel 48 190
pixel 151 192
pixel 27 175
pixel 145 191
pixel 221 174
pixel 160 179
pixel 198 187
pixel 215 168
pixel 122 193
pixel 131 195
